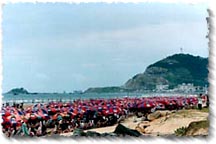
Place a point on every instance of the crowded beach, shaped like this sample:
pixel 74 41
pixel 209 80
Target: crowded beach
pixel 43 119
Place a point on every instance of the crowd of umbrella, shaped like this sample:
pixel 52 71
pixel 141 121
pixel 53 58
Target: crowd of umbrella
pixel 82 111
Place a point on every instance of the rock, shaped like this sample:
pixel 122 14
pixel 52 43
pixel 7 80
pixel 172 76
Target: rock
pixel 154 116
pixel 173 111
pixel 79 132
pixel 141 127
pixel 122 130
pixel 92 133
pixel 165 113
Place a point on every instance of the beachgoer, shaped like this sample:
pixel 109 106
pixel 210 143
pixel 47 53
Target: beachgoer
pixel 39 130
pixel 207 100
pixel 200 102
pixel 25 129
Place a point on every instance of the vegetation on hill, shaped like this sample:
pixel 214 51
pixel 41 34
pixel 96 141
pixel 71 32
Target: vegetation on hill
pixel 17 91
pixel 106 89
pixel 173 70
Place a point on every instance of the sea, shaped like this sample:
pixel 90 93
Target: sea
pixel 68 97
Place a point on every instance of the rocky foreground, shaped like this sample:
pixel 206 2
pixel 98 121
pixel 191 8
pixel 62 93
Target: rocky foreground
pixel 164 123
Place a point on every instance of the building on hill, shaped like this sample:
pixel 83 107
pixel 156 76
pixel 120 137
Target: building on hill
pixel 161 88
pixel 186 87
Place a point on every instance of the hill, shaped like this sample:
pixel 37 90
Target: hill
pixel 173 70
pixel 17 91
pixel 112 89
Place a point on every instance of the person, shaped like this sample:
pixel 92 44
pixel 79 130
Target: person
pixel 25 129
pixel 39 129
pixel 44 128
pixel 200 102
pixel 207 101
pixel 14 125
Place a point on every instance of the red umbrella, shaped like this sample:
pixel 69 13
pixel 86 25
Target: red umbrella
pixel 54 117
pixel 60 104
pixel 5 120
pixel 64 114
pixel 105 107
pixel 7 113
pixel 53 110
pixel 14 119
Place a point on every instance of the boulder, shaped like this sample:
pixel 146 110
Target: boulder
pixel 122 130
pixel 79 132
pixel 141 126
pixel 154 115
pixel 165 113
pixel 92 133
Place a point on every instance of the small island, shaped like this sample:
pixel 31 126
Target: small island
pixel 17 91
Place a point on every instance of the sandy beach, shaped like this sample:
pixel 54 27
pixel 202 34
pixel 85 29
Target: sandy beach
pixel 166 124
pixel 125 116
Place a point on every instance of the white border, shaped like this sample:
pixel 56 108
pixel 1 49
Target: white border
pixel 212 62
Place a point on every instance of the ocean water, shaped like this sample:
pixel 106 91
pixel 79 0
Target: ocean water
pixel 65 97
pixel 45 97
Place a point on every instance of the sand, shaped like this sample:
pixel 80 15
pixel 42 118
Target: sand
pixel 168 124
pixel 165 125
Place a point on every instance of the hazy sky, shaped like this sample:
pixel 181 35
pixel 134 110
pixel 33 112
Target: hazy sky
pixel 65 47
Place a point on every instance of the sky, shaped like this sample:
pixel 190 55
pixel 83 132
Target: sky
pixel 64 47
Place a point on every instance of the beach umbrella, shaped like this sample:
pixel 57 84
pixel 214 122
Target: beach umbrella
pixel 100 108
pixel 44 111
pixel 70 109
pixel 160 106
pixel 42 115
pixel 6 122
pixel 105 112
pixel 14 119
pixel 75 112
pixel 180 103
pixel 64 114
pixel 173 102
pixel 117 110
pixel 60 104
pixel 54 110
pixel 141 105
pixel 54 117
pixel 105 107
pixel 51 105
pixel 63 109
pixel 21 113
pixel 150 104
pixel 7 113
pixel 108 111
pixel 33 116
pixel 111 111
pixel 27 116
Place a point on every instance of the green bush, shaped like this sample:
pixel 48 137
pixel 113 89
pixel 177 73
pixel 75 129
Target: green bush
pixel 181 131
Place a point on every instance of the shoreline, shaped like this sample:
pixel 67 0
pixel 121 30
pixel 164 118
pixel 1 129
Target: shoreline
pixel 85 96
